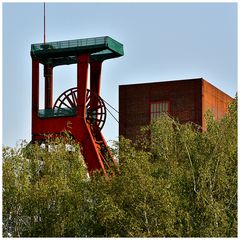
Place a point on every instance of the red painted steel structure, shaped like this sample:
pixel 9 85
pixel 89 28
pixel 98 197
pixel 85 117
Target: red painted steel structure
pixel 83 52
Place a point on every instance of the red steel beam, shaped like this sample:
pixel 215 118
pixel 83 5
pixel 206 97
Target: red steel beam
pixel 48 74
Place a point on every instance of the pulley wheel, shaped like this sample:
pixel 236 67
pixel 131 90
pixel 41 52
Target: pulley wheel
pixel 95 107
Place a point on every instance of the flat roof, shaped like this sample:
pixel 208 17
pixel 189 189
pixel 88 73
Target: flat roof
pixel 161 82
pixel 65 52
pixel 180 81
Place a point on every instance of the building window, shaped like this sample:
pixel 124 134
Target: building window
pixel 156 108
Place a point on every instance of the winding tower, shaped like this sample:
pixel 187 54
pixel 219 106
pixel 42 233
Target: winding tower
pixel 78 110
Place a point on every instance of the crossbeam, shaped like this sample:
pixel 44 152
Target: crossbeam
pixel 65 52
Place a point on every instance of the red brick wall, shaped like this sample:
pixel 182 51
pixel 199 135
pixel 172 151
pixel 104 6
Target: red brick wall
pixel 189 99
pixel 214 100
pixel 134 103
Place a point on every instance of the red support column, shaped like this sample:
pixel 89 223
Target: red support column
pixel 35 94
pixel 82 76
pixel 83 133
pixel 35 86
pixel 48 74
pixel 95 76
pixel 95 80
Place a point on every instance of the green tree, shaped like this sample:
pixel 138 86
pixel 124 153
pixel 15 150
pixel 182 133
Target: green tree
pixel 41 188
pixel 174 181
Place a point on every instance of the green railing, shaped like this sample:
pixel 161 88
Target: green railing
pixel 63 112
pixel 65 52
pixel 68 44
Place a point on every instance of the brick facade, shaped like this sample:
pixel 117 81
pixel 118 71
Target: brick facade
pixel 188 100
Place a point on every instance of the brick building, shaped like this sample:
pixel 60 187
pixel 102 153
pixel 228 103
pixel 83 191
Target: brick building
pixel 185 100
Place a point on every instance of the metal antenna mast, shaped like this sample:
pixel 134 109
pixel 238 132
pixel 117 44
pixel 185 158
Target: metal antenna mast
pixel 44 25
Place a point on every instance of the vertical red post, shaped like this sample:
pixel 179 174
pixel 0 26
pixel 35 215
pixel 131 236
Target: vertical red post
pixel 48 74
pixel 82 76
pixel 35 86
pixel 95 76
pixel 35 93
pixel 95 80
pixel 84 136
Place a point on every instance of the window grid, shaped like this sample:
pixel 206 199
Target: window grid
pixel 156 108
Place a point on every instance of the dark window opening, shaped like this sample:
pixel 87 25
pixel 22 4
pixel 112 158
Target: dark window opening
pixel 156 108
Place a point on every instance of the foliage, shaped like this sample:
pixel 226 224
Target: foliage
pixel 175 181
pixel 41 187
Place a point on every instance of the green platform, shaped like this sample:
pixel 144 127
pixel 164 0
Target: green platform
pixel 65 52
pixel 63 112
